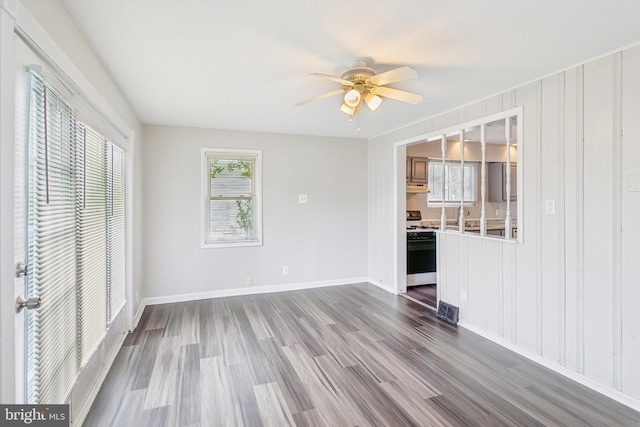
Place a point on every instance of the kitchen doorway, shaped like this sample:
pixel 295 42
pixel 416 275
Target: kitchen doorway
pixel 421 260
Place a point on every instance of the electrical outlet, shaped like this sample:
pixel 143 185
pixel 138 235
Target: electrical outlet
pixel 249 280
pixel 463 295
pixel 285 269
pixel 302 198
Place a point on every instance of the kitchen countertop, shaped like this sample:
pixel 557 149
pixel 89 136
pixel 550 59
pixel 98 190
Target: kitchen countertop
pixel 471 224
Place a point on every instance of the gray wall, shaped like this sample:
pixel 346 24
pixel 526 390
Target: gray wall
pixel 569 293
pixel 323 240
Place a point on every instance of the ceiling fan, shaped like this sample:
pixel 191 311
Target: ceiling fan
pixel 361 83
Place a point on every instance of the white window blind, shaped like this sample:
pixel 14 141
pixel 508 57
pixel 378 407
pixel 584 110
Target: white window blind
pixel 76 243
pixel 91 240
pixel 233 208
pixel 52 356
pixel 115 231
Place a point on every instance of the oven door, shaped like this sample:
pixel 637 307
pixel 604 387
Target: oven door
pixel 421 258
pixel 421 255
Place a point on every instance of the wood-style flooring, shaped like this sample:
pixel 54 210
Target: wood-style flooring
pixel 337 356
pixel 424 293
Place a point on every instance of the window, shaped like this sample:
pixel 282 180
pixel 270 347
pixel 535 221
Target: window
pixel 450 193
pixel 232 210
pixel 76 242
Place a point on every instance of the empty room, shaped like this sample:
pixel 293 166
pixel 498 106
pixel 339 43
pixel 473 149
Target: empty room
pixel 319 214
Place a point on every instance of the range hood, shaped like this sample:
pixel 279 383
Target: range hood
pixel 417 188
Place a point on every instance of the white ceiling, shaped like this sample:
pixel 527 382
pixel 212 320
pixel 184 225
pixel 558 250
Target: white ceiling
pixel 244 64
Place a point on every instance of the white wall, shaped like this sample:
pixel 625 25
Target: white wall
pixel 568 295
pixel 323 240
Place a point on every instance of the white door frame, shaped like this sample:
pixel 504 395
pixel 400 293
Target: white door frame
pixel 8 375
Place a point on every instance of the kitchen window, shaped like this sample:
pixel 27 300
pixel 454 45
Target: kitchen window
pixel 473 167
pixel 232 205
pixel 453 173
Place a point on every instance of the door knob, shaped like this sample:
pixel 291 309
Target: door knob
pixel 30 304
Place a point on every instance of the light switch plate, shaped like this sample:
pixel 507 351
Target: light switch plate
pixel 302 198
pixel 550 207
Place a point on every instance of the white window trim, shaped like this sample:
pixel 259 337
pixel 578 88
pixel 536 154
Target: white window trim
pixel 456 203
pixel 204 196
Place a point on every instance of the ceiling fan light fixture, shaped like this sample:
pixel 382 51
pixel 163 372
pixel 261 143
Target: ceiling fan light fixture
pixel 348 110
pixel 352 98
pixel 373 101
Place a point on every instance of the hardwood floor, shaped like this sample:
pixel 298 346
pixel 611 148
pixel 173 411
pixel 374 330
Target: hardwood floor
pixel 337 356
pixel 424 293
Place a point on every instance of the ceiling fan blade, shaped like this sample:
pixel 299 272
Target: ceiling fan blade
pixel 324 95
pixel 400 95
pixel 334 78
pixel 396 75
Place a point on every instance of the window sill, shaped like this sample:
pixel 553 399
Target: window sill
pixel 472 235
pixel 450 204
pixel 206 245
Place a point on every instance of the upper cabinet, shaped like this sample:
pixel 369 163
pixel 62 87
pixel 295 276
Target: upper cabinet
pixel 417 170
pixel 498 182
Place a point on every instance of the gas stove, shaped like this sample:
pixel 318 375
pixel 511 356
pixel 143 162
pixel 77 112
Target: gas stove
pixel 414 222
pixel 415 230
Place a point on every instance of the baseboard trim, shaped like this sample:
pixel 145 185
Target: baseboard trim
pixel 249 291
pixel 95 389
pixel 616 395
pixel 382 286
pixel 136 318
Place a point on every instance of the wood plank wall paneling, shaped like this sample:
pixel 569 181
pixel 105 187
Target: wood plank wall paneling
pixel 617 221
pixel 630 207
pixel 526 308
pixel 570 292
pixel 474 278
pixel 598 205
pixel 492 287
pixel 509 273
pixel 551 287
pixel 573 214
